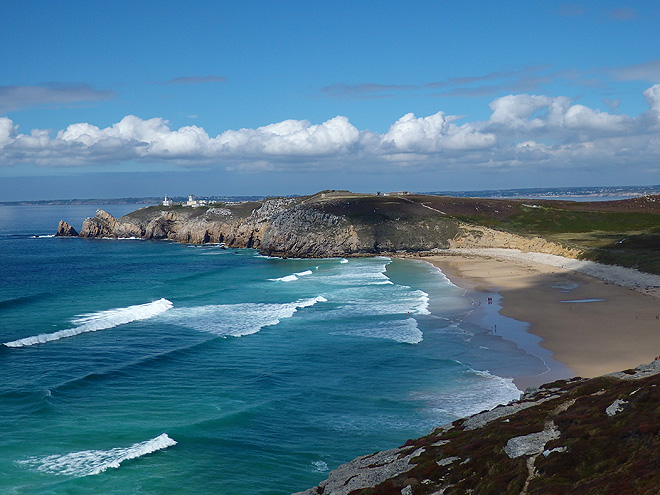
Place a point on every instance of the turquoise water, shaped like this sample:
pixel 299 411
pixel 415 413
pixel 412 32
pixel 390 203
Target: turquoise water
pixel 139 367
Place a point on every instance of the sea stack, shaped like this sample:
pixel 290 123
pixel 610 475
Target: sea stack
pixel 65 230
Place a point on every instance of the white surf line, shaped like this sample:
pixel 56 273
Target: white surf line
pixel 101 320
pixel 90 462
pixel 292 277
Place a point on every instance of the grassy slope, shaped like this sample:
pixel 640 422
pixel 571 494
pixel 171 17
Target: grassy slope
pixel 603 454
pixel 625 233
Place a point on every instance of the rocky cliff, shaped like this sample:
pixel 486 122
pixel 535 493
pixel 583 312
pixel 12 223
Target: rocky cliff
pixel 596 436
pixel 324 225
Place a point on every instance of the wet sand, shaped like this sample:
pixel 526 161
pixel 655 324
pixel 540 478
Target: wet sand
pixel 592 326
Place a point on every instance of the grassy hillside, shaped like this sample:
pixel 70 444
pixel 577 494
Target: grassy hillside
pixel 627 233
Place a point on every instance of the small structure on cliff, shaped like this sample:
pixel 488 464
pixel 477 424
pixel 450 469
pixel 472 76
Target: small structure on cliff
pixel 194 202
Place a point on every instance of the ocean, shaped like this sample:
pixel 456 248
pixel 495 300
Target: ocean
pixel 150 367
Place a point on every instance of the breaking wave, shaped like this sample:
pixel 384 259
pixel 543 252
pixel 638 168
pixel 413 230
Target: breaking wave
pixel 474 391
pixel 237 320
pixel 404 331
pixel 292 277
pixel 101 320
pixel 89 462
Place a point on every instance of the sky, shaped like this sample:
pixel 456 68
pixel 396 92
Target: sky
pixel 144 98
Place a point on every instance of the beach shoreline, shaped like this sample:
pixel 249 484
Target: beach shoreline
pixel 588 326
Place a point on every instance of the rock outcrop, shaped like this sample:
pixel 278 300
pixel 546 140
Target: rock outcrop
pixel 596 436
pixel 323 225
pixel 65 230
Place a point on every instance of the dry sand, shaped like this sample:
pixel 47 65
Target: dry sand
pixel 617 327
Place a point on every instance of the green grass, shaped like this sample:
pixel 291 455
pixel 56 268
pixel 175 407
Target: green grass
pixel 630 239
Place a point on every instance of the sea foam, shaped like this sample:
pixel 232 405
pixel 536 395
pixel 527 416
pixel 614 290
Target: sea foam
pixel 292 277
pixel 472 391
pixel 101 320
pixel 404 331
pixel 237 320
pixel 89 462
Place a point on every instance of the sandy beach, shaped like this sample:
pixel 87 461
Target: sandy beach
pixel 592 325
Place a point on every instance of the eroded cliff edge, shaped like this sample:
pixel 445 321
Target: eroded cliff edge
pixel 323 225
pixel 587 436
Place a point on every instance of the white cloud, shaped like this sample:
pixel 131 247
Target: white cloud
pixel 581 117
pixel 652 96
pixel 291 138
pixel 523 131
pixel 433 134
pixel 554 116
pixel 7 131
pixel 518 111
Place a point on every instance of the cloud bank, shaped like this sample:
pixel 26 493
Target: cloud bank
pixel 523 130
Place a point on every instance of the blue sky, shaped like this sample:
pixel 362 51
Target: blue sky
pixel 117 99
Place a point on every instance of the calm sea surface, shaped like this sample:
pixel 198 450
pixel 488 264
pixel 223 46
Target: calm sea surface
pixel 145 367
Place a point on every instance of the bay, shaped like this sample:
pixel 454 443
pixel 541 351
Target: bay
pixel 194 369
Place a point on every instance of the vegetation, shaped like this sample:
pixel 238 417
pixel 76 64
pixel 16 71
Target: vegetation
pixel 595 452
pixel 625 233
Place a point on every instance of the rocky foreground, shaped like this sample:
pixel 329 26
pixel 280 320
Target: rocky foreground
pixel 327 224
pixel 595 436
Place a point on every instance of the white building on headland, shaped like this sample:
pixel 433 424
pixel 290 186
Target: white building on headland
pixel 192 201
pixel 167 201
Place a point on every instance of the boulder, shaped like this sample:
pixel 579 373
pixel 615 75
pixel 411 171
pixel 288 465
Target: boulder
pixel 65 230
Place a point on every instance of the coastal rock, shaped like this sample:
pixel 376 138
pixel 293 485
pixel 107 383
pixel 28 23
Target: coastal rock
pixel 367 471
pixel 616 407
pixel 101 225
pixel 531 444
pixel 65 230
pixel 307 232
pixel 341 223
pixel 328 224
pixel 583 450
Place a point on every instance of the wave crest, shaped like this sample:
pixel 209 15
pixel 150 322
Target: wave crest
pixel 292 277
pixel 101 320
pixel 89 462
pixel 237 320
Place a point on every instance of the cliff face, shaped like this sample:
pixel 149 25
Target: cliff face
pixel 315 226
pixel 596 436
pixel 475 236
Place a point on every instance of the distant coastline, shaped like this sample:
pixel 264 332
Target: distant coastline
pixel 592 193
pixel 147 200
